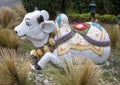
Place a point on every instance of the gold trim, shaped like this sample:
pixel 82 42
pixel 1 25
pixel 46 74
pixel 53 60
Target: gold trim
pixel 98 52
pixel 87 47
pixel 63 51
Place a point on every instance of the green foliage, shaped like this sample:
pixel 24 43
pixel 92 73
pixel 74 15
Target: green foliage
pixel 98 16
pixel 79 17
pixel 102 6
pixel 118 19
pixel 116 4
pixel 81 6
pixel 85 16
pixel 108 18
pixel 25 47
pixel 52 6
pixel 77 6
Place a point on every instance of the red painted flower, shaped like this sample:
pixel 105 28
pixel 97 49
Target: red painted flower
pixel 80 26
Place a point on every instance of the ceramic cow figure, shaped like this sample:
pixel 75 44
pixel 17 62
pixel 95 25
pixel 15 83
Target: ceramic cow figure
pixel 88 39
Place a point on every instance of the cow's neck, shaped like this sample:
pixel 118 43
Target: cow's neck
pixel 40 43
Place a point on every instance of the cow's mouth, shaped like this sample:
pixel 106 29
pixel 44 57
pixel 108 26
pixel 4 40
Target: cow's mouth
pixel 22 35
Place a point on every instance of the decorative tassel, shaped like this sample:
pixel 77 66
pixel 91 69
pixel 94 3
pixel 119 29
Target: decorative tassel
pixel 46 48
pixel 51 41
pixel 37 53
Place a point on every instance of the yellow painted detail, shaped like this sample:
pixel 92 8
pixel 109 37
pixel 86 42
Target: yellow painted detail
pixel 37 53
pixel 46 48
pixel 98 50
pixel 51 41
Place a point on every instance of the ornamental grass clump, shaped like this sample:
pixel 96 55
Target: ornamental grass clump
pixel 8 39
pixel 19 9
pixel 114 34
pixel 6 15
pixel 76 72
pixel 14 68
pixel 9 18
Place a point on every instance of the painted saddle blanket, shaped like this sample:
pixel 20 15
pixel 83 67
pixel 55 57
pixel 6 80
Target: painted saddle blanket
pixel 87 36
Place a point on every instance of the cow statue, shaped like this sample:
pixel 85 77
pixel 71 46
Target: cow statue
pixel 56 40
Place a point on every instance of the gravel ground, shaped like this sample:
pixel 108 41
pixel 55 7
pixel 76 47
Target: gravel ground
pixel 112 69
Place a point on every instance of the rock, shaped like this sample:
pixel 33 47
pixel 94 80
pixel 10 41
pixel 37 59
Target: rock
pixel 46 82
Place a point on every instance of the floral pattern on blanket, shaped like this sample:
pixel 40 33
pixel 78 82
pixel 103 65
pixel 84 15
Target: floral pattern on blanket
pixel 77 42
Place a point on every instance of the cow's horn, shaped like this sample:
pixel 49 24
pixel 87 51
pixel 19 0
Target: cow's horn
pixel 36 8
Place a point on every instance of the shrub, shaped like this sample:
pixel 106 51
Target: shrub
pixel 79 17
pixel 75 72
pixel 85 16
pixel 98 16
pixel 14 68
pixel 9 39
pixel 118 20
pixel 74 17
pixel 108 18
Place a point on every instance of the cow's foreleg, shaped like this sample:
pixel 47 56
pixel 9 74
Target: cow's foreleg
pixel 49 57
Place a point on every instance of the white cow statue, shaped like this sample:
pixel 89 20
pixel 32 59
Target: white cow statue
pixel 56 40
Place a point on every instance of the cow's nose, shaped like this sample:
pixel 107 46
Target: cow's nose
pixel 16 32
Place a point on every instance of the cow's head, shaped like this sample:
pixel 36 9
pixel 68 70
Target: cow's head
pixel 35 27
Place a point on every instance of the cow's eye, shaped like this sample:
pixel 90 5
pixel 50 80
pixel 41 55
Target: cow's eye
pixel 28 24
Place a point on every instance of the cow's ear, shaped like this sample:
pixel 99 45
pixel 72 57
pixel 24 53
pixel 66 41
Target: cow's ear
pixel 48 26
pixel 40 19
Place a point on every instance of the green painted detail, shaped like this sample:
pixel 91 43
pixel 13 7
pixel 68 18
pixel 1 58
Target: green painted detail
pixel 83 32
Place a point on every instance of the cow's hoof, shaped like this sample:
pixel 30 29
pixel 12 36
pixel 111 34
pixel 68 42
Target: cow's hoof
pixel 36 67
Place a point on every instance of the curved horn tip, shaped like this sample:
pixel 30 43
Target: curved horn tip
pixel 36 8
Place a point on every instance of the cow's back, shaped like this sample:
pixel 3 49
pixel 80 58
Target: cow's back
pixel 94 44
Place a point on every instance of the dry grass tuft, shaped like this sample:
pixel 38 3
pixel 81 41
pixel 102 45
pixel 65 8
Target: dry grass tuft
pixel 6 15
pixel 13 68
pixel 114 34
pixel 9 18
pixel 77 72
pixel 19 8
pixel 9 39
